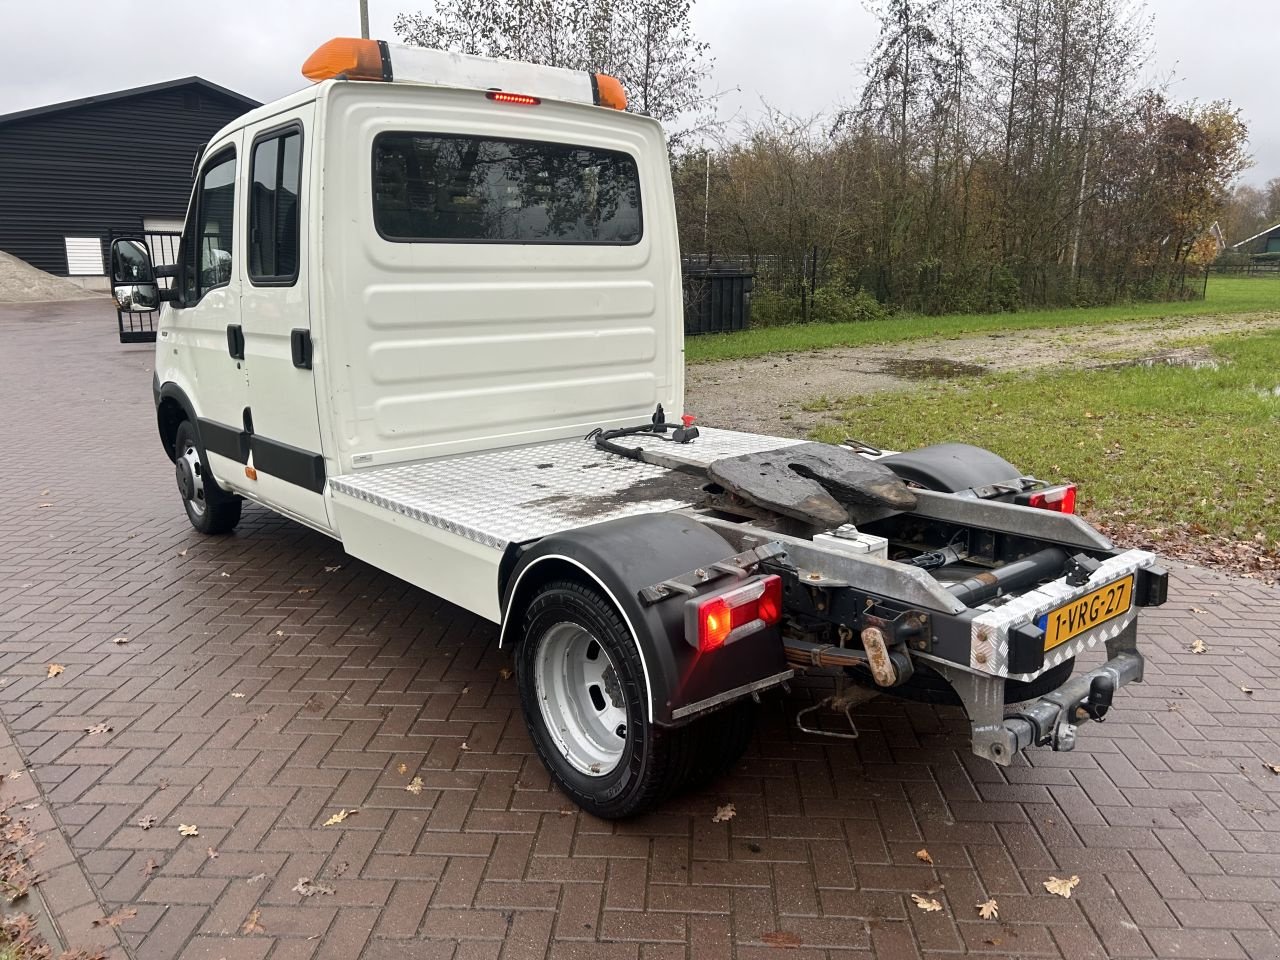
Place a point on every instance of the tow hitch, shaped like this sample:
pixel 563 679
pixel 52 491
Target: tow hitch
pixel 1052 719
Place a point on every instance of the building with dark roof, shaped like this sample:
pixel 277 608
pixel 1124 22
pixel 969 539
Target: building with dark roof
pixel 1266 241
pixel 72 172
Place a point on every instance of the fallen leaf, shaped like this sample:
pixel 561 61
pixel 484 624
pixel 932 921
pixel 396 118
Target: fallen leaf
pixel 119 639
pixel 146 823
pixel 309 888
pixel 30 806
pixel 993 941
pixel 990 910
pixel 212 853
pixel 415 786
pixel 333 569
pixel 256 878
pixel 115 919
pixel 251 924
pixel 306 590
pixel 97 728
pixel 238 696
pixel 54 670
pixel 1199 610
pixel 927 904
pixel 188 830
pixel 1197 646
pixel 1061 887
pixel 724 813
pixel 923 856
pixel 150 867
pixel 402 769
pixel 338 817
pixel 1273 767
pixel 504 674
pixel 781 938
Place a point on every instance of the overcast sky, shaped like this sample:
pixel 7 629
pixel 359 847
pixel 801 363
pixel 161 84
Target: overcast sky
pixel 800 55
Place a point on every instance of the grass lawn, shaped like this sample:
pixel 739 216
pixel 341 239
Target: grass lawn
pixel 1224 295
pixel 1177 454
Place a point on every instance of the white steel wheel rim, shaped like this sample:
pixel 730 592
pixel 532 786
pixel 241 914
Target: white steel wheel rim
pixel 197 499
pixel 581 700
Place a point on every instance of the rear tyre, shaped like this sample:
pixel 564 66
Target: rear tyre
pixel 210 509
pixel 582 689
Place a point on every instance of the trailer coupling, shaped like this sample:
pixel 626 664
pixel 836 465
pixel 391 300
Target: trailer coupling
pixel 999 732
pixel 1052 719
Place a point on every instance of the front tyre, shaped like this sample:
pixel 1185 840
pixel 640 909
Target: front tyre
pixel 582 687
pixel 209 508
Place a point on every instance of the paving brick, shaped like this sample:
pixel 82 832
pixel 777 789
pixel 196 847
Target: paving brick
pixel 1167 811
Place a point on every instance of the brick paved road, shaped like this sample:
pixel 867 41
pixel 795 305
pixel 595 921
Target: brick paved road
pixel 259 693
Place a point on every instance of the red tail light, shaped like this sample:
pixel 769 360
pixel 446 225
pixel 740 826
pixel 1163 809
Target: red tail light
pixel 1059 499
pixel 711 622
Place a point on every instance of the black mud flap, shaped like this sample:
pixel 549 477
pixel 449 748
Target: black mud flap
pixel 623 558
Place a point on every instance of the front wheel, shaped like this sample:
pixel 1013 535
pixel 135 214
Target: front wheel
pixel 209 508
pixel 582 688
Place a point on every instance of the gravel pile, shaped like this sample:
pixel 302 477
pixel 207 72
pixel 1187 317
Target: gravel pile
pixel 22 283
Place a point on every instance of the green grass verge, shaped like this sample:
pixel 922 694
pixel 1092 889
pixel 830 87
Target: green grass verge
pixel 1224 295
pixel 1176 451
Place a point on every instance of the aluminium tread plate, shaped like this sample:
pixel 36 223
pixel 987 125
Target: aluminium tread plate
pixel 518 494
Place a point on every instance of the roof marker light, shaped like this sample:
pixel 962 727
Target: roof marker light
pixel 608 91
pixel 355 58
pixel 501 96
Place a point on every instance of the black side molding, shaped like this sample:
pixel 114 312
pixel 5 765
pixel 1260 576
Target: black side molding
pixel 224 440
pixel 289 463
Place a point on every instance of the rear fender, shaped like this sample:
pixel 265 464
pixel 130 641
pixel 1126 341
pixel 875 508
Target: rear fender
pixel 622 557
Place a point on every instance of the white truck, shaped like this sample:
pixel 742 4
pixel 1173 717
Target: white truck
pixel 430 306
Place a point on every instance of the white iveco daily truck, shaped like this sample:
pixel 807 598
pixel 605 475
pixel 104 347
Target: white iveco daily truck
pixel 431 307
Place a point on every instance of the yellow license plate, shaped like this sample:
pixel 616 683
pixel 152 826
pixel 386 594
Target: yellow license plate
pixel 1085 613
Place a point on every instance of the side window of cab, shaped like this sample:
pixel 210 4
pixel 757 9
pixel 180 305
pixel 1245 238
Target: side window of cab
pixel 209 238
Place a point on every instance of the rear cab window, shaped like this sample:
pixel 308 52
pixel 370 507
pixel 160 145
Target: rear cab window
pixel 449 188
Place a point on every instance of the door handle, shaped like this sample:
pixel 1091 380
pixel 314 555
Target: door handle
pixel 300 345
pixel 235 341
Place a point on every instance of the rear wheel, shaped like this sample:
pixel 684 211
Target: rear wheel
pixel 209 508
pixel 582 689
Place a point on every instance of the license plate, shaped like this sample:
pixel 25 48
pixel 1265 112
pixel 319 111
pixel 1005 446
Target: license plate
pixel 1085 613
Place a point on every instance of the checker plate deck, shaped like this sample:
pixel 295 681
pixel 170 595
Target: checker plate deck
pixel 500 497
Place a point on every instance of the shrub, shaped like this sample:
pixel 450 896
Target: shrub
pixel 837 303
pixel 771 309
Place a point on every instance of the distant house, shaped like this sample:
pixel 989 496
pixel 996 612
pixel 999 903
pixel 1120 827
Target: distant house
pixel 1268 241
pixel 72 172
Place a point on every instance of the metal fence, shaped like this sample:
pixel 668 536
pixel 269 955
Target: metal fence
pixel 934 286
pixel 163 245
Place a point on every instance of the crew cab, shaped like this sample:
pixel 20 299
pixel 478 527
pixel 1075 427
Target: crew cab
pixel 430 306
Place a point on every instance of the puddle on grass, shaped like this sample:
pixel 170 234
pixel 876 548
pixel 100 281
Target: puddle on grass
pixel 930 368
pixel 1194 359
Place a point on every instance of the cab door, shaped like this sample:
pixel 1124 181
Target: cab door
pixel 283 422
pixel 203 338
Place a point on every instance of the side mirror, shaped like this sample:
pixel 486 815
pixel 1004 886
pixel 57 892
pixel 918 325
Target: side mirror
pixel 133 278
